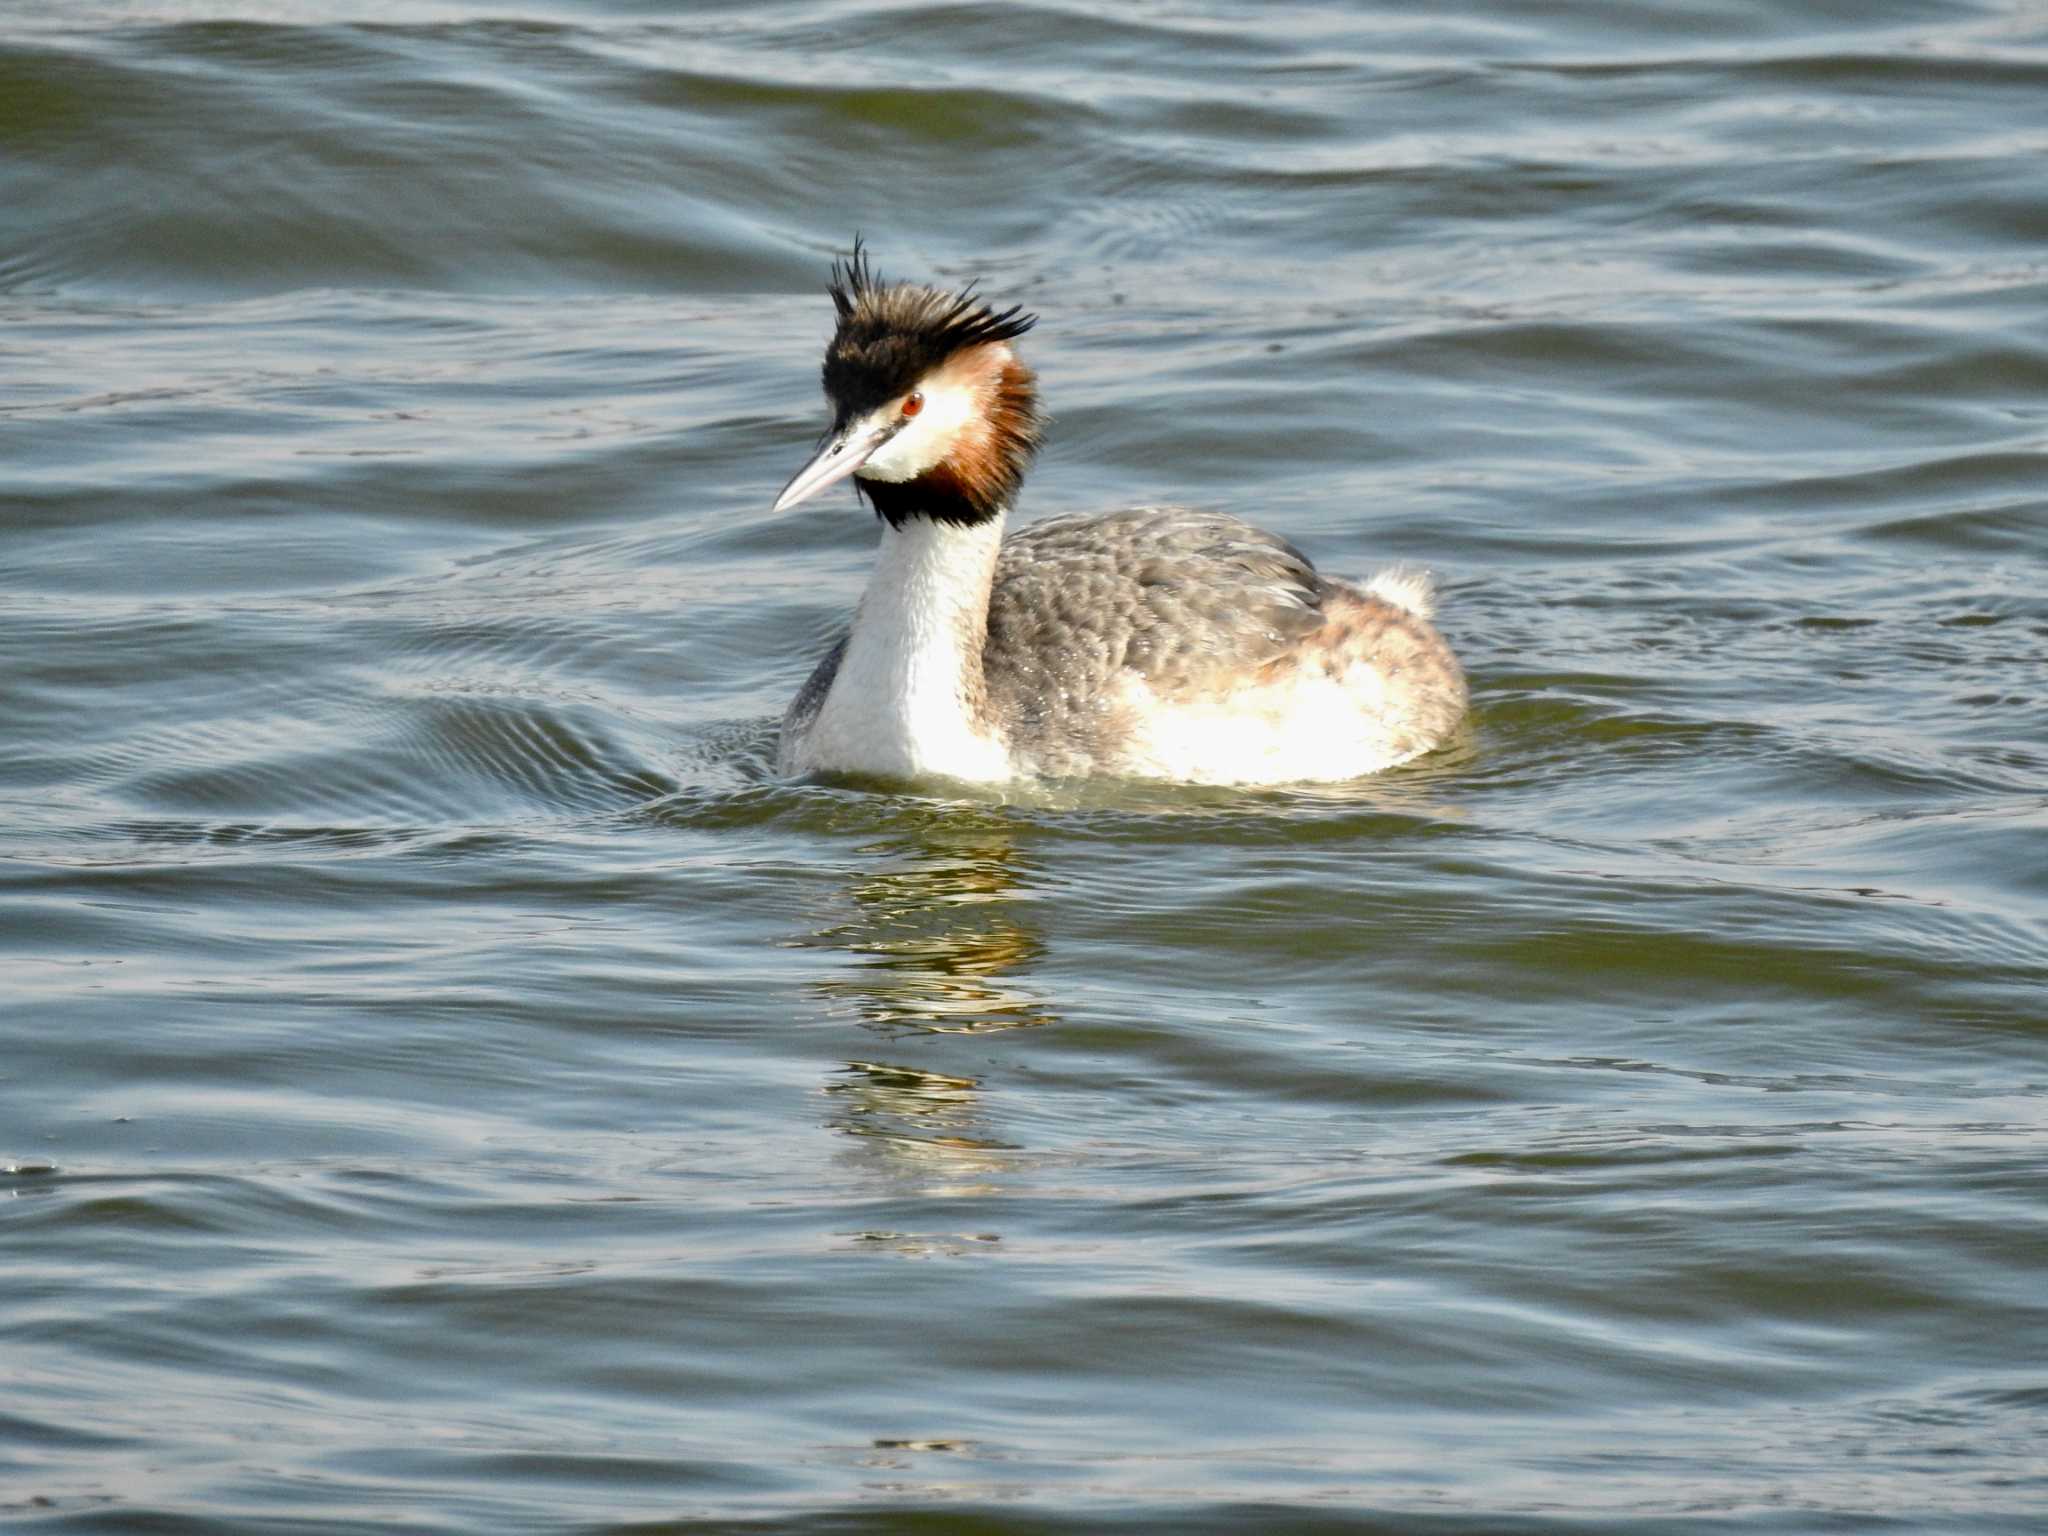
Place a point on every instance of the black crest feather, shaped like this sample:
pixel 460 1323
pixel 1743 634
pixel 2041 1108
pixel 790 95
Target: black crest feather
pixel 892 334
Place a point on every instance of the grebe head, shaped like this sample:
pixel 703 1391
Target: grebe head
pixel 931 410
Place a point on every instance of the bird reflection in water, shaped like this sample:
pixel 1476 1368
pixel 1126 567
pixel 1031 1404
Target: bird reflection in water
pixel 934 927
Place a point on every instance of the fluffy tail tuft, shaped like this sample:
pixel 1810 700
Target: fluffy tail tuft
pixel 1405 587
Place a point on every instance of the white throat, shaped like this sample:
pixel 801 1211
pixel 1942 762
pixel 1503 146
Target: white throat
pixel 908 701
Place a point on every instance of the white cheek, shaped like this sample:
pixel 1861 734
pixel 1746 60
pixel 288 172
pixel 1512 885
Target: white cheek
pixel 927 439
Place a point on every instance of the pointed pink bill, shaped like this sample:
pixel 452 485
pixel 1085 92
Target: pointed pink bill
pixel 841 455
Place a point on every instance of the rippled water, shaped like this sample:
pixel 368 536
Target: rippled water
pixel 448 1083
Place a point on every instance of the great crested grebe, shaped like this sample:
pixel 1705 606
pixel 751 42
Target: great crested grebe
pixel 1156 643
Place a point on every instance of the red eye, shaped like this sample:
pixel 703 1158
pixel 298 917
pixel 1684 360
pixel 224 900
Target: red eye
pixel 913 403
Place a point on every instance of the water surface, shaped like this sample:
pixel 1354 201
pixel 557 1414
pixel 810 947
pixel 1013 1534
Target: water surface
pixel 448 1083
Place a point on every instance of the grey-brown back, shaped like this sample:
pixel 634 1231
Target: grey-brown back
pixel 1181 597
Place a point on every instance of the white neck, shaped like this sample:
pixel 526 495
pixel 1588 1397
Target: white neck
pixel 908 697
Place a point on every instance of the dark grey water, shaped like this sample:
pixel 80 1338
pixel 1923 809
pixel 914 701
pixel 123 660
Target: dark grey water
pixel 448 1084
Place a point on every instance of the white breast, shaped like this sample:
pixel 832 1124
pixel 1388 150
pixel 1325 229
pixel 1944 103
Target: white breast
pixel 901 705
